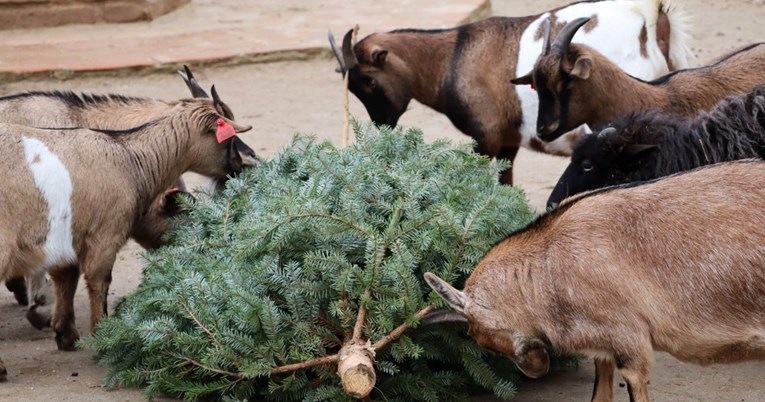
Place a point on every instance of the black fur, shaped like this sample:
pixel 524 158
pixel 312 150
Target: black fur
pixel 120 133
pixel 72 99
pixel 651 144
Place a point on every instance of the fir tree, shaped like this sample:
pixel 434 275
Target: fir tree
pixel 318 249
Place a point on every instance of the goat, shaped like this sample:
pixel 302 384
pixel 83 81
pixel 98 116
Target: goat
pixel 148 232
pixel 683 274
pixel 75 196
pixel 578 85
pixel 114 112
pixel 462 72
pixel 647 145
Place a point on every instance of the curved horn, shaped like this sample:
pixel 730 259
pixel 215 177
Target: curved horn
pixel 349 56
pixel 547 29
pixel 192 84
pixel 215 96
pixel 442 316
pixel 337 52
pixel 606 131
pixel 566 34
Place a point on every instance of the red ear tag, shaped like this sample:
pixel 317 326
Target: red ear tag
pixel 224 131
pixel 533 86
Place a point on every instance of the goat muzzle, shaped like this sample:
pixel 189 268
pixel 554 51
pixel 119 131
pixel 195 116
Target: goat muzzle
pixel 548 133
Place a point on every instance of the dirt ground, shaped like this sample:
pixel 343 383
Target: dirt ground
pixel 280 99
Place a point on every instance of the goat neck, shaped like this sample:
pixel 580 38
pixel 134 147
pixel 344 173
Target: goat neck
pixel 419 59
pixel 620 96
pixel 160 151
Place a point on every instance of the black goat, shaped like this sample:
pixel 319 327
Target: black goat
pixel 648 145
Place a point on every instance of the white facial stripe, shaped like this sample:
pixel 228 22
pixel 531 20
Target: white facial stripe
pixel 53 180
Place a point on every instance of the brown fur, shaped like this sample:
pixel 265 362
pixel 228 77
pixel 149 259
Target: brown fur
pixel 115 178
pixel 609 93
pixel 461 72
pixel 619 273
pixel 419 66
pixel 69 110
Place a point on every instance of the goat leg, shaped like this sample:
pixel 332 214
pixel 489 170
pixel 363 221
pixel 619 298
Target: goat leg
pixel 603 389
pixel 507 153
pixel 98 277
pixel 637 382
pixel 65 282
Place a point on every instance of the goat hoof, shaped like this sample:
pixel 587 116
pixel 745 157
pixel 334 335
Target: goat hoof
pixel 3 372
pixel 37 319
pixel 66 342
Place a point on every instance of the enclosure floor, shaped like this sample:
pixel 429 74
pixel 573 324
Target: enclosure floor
pixel 214 30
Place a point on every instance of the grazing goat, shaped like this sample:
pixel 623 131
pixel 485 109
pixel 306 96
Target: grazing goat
pixel 112 112
pixel 148 232
pixel 75 196
pixel 681 271
pixel 463 72
pixel 647 145
pixel 578 85
pixel 69 110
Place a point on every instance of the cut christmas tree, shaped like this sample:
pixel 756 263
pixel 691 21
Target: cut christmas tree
pixel 303 280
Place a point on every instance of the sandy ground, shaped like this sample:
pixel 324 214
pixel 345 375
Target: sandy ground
pixel 281 99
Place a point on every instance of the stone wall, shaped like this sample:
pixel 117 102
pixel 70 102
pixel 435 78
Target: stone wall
pixel 46 13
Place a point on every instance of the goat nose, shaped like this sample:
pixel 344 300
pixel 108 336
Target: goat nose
pixel 552 127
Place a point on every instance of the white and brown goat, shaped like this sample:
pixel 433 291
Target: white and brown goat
pixel 464 72
pixel 58 109
pixel 577 84
pixel 615 274
pixel 75 197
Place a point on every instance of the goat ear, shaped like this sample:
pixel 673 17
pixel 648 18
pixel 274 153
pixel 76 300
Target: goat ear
pixel 638 150
pixel 172 207
pixel 534 362
pixel 582 67
pixel 523 80
pixel 238 128
pixel 442 316
pixel 378 57
pixel 453 297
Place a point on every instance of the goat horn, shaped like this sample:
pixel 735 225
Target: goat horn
pixel 336 51
pixel 216 98
pixel 442 316
pixel 192 84
pixel 566 34
pixel 547 29
pixel 349 56
pixel 606 131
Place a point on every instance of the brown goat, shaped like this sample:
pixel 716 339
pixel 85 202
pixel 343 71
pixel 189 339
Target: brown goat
pixel 148 232
pixel 617 273
pixel 464 72
pixel 577 85
pixel 75 197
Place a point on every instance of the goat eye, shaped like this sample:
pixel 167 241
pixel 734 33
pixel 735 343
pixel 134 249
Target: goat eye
pixel 372 83
pixel 587 166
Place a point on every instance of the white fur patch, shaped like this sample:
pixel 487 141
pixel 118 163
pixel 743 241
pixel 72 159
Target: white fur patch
pixel 52 179
pixel 616 36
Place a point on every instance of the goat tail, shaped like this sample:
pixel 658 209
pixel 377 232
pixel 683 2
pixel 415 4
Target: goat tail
pixel 680 54
pixel 667 29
